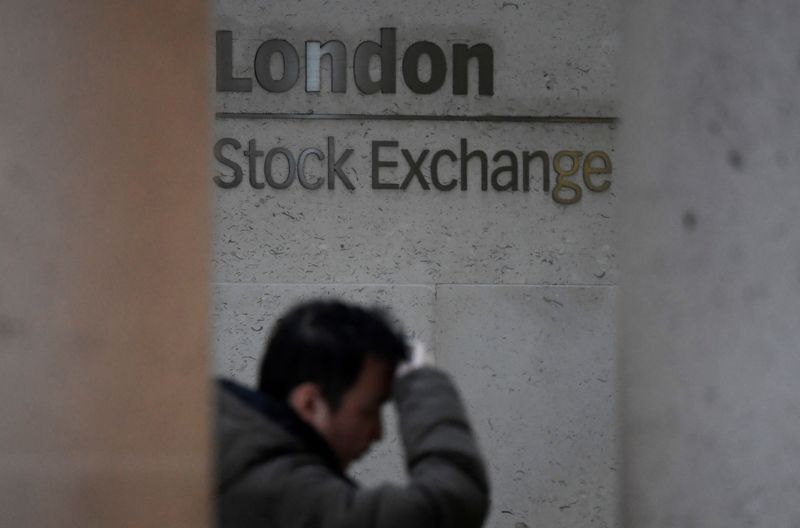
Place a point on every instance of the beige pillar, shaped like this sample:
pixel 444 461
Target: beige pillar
pixel 103 264
pixel 710 264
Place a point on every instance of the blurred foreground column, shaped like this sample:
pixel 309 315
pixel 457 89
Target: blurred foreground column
pixel 710 293
pixel 103 260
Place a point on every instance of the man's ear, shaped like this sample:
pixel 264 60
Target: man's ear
pixel 307 401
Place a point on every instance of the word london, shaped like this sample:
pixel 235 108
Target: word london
pixel 442 170
pixel 384 51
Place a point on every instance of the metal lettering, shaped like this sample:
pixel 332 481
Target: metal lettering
pixel 435 170
pixel 589 170
pixel 511 168
pixel 338 59
pixel 226 82
pixel 462 54
pixel 505 174
pixel 527 157
pixel 465 157
pixel 220 157
pixel 371 59
pixel 562 174
pixel 411 67
pixel 252 154
pixel 301 168
pixel 415 169
pixel 290 65
pixel 377 164
pixel 387 52
pixel 335 167
pixel 290 173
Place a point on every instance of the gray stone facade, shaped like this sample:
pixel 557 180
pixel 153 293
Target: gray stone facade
pixel 513 292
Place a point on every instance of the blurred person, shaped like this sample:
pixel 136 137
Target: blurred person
pixel 283 449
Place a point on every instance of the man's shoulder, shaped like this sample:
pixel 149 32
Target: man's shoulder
pixel 242 413
pixel 261 440
pixel 246 437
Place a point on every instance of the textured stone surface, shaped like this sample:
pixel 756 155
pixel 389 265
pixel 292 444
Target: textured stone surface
pixel 435 256
pixel 551 58
pixel 711 292
pixel 412 236
pixel 244 314
pixel 542 399
pixel 537 368
pixel 418 236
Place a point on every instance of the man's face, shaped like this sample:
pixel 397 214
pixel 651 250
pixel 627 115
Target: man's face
pixel 356 423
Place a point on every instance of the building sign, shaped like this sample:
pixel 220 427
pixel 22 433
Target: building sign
pixel 460 164
pixel 385 51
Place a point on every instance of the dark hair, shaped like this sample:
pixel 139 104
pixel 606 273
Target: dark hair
pixel 326 342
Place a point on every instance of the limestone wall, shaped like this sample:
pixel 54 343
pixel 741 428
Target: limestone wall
pixel 512 290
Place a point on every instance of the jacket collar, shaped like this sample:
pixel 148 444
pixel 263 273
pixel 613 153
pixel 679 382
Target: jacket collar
pixel 280 413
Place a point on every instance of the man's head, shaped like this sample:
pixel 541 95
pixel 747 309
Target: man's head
pixel 334 363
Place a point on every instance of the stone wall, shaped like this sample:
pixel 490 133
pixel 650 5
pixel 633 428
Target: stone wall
pixel 710 296
pixel 513 291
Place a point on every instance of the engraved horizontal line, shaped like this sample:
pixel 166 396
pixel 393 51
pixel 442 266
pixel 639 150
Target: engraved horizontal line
pixel 308 116
pixel 414 285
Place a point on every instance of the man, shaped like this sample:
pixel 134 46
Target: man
pixel 283 449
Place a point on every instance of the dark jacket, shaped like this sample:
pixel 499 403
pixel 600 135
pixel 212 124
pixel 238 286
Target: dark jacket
pixel 274 471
